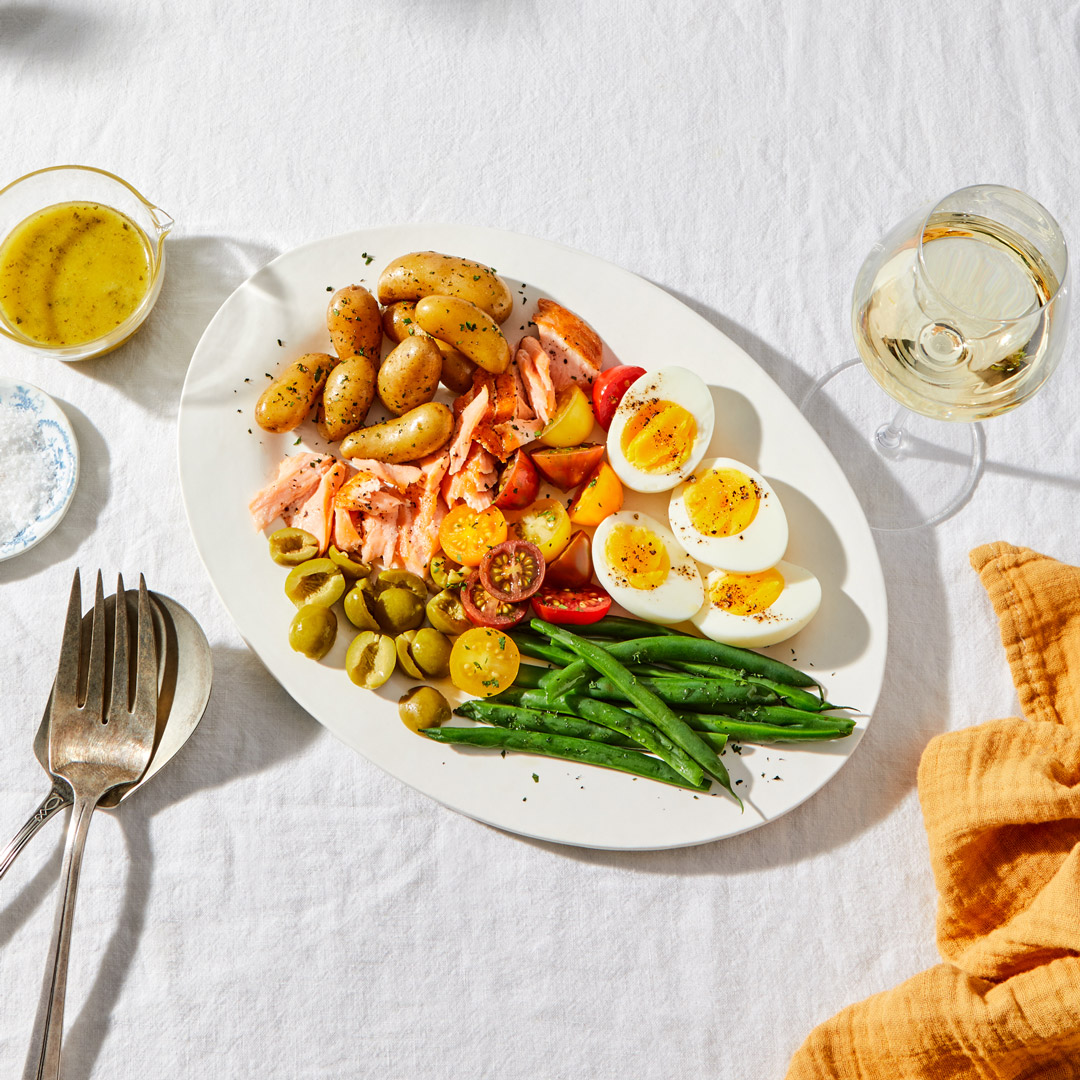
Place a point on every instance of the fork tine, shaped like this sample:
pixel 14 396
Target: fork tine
pixel 95 677
pixel 118 700
pixel 66 689
pixel 146 687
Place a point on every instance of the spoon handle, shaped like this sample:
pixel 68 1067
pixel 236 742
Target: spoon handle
pixel 53 803
pixel 55 988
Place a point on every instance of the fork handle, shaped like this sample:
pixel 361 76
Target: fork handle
pixel 52 804
pixel 55 988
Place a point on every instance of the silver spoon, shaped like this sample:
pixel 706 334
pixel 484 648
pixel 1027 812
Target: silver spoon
pixel 185 674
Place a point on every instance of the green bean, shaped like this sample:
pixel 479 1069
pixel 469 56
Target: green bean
pixel 540 648
pixel 620 628
pixel 561 746
pixel 796 697
pixel 684 693
pixel 492 711
pixel 654 708
pixel 530 676
pixel 751 731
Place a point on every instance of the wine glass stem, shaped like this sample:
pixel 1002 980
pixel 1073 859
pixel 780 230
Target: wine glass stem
pixel 891 435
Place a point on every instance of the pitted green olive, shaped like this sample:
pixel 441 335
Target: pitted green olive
pixel 402 579
pixel 291 547
pixel 350 567
pixel 398 610
pixel 446 573
pixel 318 581
pixel 423 707
pixel 370 660
pixel 358 604
pixel 313 631
pixel 446 613
pixel 403 645
pixel 430 652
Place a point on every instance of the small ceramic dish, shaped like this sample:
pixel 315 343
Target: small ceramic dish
pixel 37 446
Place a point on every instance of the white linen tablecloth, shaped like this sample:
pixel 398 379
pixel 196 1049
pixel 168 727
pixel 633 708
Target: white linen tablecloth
pixel 273 905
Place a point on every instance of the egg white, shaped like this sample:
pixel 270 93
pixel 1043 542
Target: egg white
pixel 793 609
pixel 678 597
pixel 760 545
pixel 675 384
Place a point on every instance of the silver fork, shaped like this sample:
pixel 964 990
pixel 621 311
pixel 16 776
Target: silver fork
pixel 95 749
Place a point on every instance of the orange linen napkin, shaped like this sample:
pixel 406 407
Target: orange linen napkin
pixel 1001 803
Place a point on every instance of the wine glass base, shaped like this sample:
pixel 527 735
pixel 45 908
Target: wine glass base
pixel 907 475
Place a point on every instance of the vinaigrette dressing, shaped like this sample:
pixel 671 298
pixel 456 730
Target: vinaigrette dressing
pixel 72 273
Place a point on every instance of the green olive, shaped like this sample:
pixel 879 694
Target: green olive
pixel 358 605
pixel 430 652
pixel 290 547
pixel 351 568
pixel 403 644
pixel 446 613
pixel 398 610
pixel 446 573
pixel 313 631
pixel 370 660
pixel 318 581
pixel 423 707
pixel 402 579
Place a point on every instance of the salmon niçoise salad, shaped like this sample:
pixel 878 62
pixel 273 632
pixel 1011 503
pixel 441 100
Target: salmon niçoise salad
pixel 440 529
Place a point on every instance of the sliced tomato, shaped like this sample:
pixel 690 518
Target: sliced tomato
pixel 467 536
pixel 608 390
pixel 518 484
pixel 512 571
pixel 574 566
pixel 600 496
pixel 483 609
pixel 567 466
pixel 577 606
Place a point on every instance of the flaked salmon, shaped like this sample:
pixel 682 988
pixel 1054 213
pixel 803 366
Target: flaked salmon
pixel 297 479
pixel 346 535
pixel 316 514
pixel 473 483
pixel 534 365
pixel 468 420
pixel 575 348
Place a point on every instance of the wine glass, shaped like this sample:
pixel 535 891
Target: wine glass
pixel 960 313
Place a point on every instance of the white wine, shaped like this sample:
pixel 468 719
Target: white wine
pixel 959 329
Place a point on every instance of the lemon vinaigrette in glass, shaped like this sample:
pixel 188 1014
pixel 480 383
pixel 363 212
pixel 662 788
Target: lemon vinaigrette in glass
pixel 73 272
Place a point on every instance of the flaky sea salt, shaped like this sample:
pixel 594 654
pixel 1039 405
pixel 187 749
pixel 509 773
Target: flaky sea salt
pixel 28 471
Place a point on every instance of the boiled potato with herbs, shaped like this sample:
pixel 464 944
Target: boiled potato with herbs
pixel 349 392
pixel 286 402
pixel 355 323
pixel 399 323
pixel 468 328
pixel 409 376
pixel 427 273
pixel 421 431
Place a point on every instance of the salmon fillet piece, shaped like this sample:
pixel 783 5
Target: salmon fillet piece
pixel 399 476
pixel 467 423
pixel 535 367
pixel 515 433
pixel 473 483
pixel 575 348
pixel 346 536
pixel 316 515
pixel 381 533
pixel 297 480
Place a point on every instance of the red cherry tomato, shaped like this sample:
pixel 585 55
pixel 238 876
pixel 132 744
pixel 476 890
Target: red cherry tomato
pixel 567 466
pixel 483 609
pixel 574 565
pixel 519 483
pixel 608 390
pixel 512 571
pixel 576 606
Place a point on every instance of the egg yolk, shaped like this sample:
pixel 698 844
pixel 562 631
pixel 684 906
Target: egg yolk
pixel 659 437
pixel 638 556
pixel 723 502
pixel 747 594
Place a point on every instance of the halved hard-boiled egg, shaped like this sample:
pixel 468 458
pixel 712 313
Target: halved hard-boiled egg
pixel 644 570
pixel 726 514
pixel 661 429
pixel 759 609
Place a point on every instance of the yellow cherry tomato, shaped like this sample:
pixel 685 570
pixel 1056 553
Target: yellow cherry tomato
pixel 467 536
pixel 484 661
pixel 573 420
pixel 544 524
pixel 599 496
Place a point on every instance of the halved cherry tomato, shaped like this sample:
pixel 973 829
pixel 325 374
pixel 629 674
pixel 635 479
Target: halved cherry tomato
pixel 608 390
pixel 567 466
pixel 577 607
pixel 519 483
pixel 483 609
pixel 600 496
pixel 544 524
pixel 467 536
pixel 512 571
pixel 483 662
pixel 573 419
pixel 574 565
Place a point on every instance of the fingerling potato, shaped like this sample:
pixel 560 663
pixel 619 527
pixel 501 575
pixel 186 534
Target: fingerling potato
pixel 286 402
pixel 399 323
pixel 468 328
pixel 409 376
pixel 355 323
pixel 350 389
pixel 427 273
pixel 421 431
